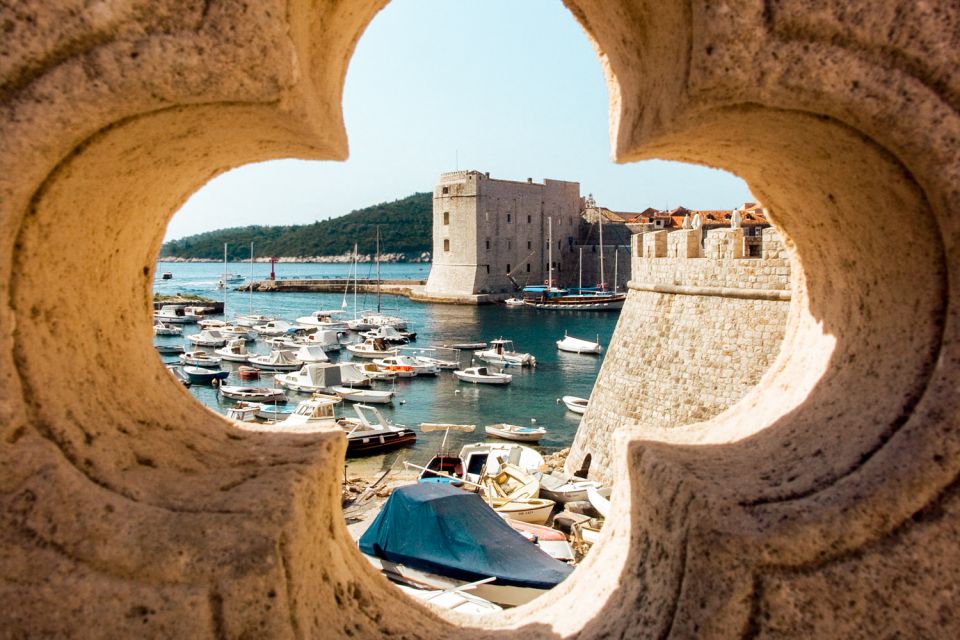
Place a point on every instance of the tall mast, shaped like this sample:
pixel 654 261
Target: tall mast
pixel 378 268
pixel 224 278
pixel 250 288
pixel 616 262
pixel 356 276
pixel 550 252
pixel 580 278
pixel 603 280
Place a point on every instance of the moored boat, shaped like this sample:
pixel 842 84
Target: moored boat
pixel 576 345
pixel 575 404
pixel 252 394
pixel 276 360
pixel 208 338
pixel 200 359
pixel 370 432
pixel 372 348
pixel 235 351
pixel 164 329
pixel 532 510
pixel 323 320
pixel 366 396
pixel 403 363
pixel 515 432
pixel 482 375
pixel 503 352
pixel 168 349
pixel 202 375
pixel 243 412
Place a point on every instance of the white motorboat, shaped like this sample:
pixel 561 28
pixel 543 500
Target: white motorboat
pixel 307 354
pixel 211 323
pixel 235 351
pixel 326 339
pixel 274 328
pixel 440 363
pixel 503 352
pixel 208 338
pixel 252 394
pixel 562 488
pixel 174 314
pixel 311 378
pixel 369 321
pixel 370 432
pixel 487 457
pixel 163 329
pixel 576 345
pixel 575 404
pixel 200 359
pixel 365 396
pixel 276 360
pixel 389 335
pixel 371 371
pixel 513 302
pixel 406 364
pixel 515 432
pixel 482 375
pixel 168 349
pixel 274 412
pixel 232 331
pixel 372 349
pixel 453 599
pixel 315 414
pixel 253 319
pixel 323 320
pixel 244 412
pixel 285 341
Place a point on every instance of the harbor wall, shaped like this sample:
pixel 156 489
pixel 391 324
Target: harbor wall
pixel 700 326
pixel 825 503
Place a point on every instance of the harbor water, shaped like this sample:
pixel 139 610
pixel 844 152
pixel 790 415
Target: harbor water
pixel 531 399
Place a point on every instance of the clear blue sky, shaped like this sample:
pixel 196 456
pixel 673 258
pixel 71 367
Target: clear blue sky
pixel 509 87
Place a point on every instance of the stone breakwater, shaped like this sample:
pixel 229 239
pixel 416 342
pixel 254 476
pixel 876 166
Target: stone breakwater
pixel 700 327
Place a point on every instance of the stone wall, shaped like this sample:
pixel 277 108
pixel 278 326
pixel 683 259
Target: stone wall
pixel 695 334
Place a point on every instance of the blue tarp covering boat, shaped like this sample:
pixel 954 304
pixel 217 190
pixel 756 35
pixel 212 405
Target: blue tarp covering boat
pixel 450 532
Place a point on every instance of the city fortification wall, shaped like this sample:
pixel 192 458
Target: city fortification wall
pixel 700 327
pixel 825 503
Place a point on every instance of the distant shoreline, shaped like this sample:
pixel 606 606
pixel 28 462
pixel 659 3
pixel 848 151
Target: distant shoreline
pixel 390 258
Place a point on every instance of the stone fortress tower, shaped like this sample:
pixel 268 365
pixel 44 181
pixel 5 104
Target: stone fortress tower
pixel 486 230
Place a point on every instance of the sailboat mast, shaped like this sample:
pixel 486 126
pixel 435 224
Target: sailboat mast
pixel 603 280
pixel 550 252
pixel 580 277
pixel 356 276
pixel 378 268
pixel 616 262
pixel 224 278
pixel 250 288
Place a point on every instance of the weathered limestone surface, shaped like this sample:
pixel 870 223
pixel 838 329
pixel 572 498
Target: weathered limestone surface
pixel 824 503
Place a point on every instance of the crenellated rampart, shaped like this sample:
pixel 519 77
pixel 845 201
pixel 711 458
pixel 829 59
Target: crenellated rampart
pixel 700 326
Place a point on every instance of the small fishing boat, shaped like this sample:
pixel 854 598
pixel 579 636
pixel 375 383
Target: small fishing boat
pixel 370 432
pixel 252 319
pixel 201 375
pixel 503 352
pixel 575 404
pixel 233 332
pixel 274 412
pixel 466 346
pixel 576 345
pixel 168 349
pixel 372 348
pixel 532 510
pixel 369 321
pixel 177 372
pixel 365 396
pixel 274 328
pixel 200 359
pixel 314 414
pixel 276 360
pixel 482 375
pixel 167 275
pixel 307 354
pixel 163 329
pixel 510 481
pixel 486 457
pixel 248 373
pixel 243 412
pixel 457 599
pixel 208 338
pixel 562 488
pixel 211 323
pixel 323 320
pixel 373 372
pixel 407 364
pixel 252 394
pixel 174 314
pixel 235 351
pixel 515 432
pixel 484 546
pixel 550 541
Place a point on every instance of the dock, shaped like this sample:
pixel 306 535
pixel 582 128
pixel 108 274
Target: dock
pixel 405 288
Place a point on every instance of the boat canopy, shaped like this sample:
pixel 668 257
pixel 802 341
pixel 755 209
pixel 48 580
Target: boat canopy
pixel 447 531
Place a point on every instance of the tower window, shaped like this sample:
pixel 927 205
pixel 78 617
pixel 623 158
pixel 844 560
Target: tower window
pixel 529 219
pixel 446 217
pixel 529 245
pixel 528 267
pixel 508 217
pixel 446 245
pixel 446 190
pixel 488 244
pixel 508 268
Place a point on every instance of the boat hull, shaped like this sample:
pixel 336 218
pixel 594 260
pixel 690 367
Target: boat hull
pixel 373 443
pixel 532 435
pixel 534 511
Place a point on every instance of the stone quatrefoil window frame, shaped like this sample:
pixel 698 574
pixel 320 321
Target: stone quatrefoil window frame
pixel 123 504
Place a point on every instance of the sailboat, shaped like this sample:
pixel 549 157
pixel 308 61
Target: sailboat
pixel 252 318
pixel 596 298
pixel 368 320
pixel 227 278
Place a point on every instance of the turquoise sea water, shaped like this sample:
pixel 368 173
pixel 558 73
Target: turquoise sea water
pixel 532 395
